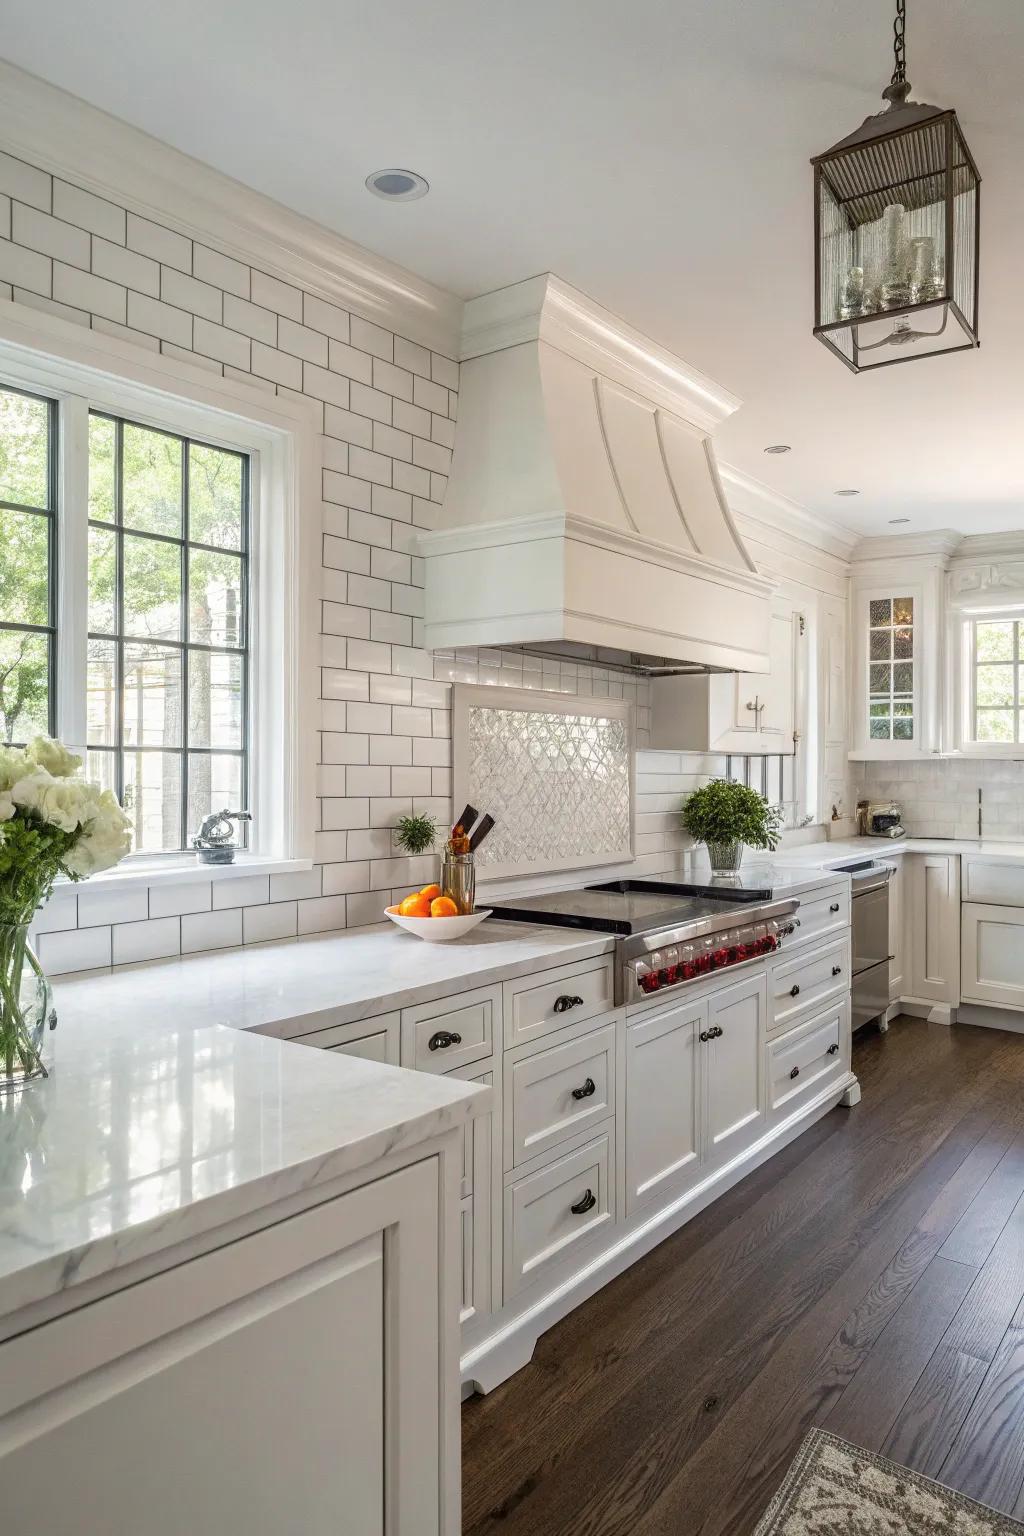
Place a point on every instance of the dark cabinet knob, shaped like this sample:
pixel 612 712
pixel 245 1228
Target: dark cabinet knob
pixel 715 1033
pixel 443 1039
pixel 565 1002
pixel 833 1049
pixel 588 1088
pixel 834 907
pixel 795 1072
pixel 586 1204
pixel 837 970
pixel 794 990
pixel 703 1035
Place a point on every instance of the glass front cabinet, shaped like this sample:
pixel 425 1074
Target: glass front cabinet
pixel 895 663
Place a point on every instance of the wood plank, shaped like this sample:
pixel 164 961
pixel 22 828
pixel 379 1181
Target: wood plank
pixel 933 1413
pixel 976 1234
pixel 871 1403
pixel 987 1458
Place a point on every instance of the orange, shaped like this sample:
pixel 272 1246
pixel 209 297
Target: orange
pixel 443 906
pixel 415 905
pixel 430 891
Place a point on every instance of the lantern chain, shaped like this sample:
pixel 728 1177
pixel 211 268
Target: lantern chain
pixel 899 43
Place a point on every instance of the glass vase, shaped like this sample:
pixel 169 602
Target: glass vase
pixel 458 880
pixel 725 858
pixel 26 1008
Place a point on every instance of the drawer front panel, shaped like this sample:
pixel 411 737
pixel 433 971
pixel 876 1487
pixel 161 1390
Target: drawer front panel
pixel 805 981
pixel 994 882
pixel 452 1032
pixel 553 1093
pixel 371 1039
pixel 535 1005
pixel 549 1213
pixel 801 1062
pixel 821 914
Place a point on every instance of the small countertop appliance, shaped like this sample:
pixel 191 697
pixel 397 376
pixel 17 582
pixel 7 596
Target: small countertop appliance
pixel 883 818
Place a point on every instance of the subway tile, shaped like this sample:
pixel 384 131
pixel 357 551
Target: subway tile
pixel 394 444
pixel 410 478
pixel 326 318
pixel 435 457
pixel 224 344
pixel 390 628
pixel 333 651
pixel 365 909
pixel 146 314
pixel 390 380
pixel 435 695
pixel 97 907
pixel 269 363
pixel 371 338
pixel 302 342
pixel 391 750
pixel 153 940
pixel 410 781
pixel 441 781
pixel 350 362
pixel 125 333
pixel 187 293
pixel 25 182
pixel 346 490
pixel 411 721
pixel 85 291
pixel 271 293
pixel 329 847
pixel 174 900
pixel 411 662
pixel 323 385
pixel 59 914
pixel 76 206
pixel 341 619
pixel 412 418
pixel 251 319
pixel 211 930
pixel 127 267
pixel 444 371
pixel 330 780
pixel 335 453
pixel 241 891
pixel 368 529
pixel 371 718
pixel 370 402
pixel 80 949
pixel 389 503
pixel 5 218
pixel 279 920
pixel 52 237
pixel 25 269
pixel 374 843
pixel 406 599
pixel 442 431
pixel 185 355
pixel 341 879
pixel 295 886
pixel 336 683
pixel 408 354
pixel 370 780
pixel 389 565
pixel 160 244
pixel 430 397
pixel 322 915
pixel 438 487
pixel 367 656
pixel 343 813
pixel 349 426
pixel 385 811
pixel 333 715
pixel 431 752
pixel 345 555
pixel 369 592
pixel 385 689
pixel 221 271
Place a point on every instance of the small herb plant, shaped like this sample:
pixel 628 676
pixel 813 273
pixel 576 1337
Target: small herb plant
pixel 724 812
pixel 415 834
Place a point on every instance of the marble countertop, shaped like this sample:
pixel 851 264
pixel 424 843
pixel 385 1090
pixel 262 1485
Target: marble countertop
pixel 824 855
pixel 149 1133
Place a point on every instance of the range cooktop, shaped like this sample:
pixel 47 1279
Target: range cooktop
pixel 627 907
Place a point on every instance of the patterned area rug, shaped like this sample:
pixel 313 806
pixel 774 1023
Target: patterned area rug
pixel 835 1487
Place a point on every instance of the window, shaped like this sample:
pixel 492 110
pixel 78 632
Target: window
pixel 28 598
pixel 994 680
pixel 168 600
pixel 891 669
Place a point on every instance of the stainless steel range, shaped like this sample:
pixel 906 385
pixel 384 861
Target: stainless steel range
pixel 668 934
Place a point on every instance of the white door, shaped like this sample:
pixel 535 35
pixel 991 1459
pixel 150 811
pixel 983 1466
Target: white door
pixel 285 1382
pixel 993 955
pixel 763 710
pixel 733 1068
pixel 662 1102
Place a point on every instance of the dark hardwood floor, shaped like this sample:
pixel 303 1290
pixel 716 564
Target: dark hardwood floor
pixel 868 1279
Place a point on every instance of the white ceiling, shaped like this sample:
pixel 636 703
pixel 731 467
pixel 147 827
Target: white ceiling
pixel 651 152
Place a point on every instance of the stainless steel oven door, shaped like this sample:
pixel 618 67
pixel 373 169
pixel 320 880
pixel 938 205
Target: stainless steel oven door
pixel 870 994
pixel 870 925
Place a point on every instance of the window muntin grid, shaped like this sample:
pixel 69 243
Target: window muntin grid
pixel 996 706
pixel 168 648
pixel 890 662
pixel 28 565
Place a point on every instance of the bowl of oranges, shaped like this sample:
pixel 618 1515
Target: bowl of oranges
pixel 434 917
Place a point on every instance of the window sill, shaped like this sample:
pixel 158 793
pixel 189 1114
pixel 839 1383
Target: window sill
pixel 183 870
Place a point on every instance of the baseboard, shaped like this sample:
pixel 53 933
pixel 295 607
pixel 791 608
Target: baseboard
pixel 493 1359
pixel 991 1017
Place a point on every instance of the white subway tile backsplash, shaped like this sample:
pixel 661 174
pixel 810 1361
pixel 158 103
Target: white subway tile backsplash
pixel 158 319
pixel 371 338
pixel 220 271
pixel 326 318
pixel 241 891
pixel 127 267
pixel 410 355
pixel 160 244
pixel 321 914
pixel 25 182
pixel 154 940
pixel 250 319
pixel 79 949
pixel 211 930
pixel 85 291
pixel 188 293
pixel 298 886
pixel 279 921
pixel 271 293
pixel 53 237
pixel 302 342
pixel 174 900
pixel 397 382
pixel 24 268
pixel 97 907
pixel 341 358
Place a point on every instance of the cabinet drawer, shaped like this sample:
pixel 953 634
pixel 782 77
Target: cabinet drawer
pixel 451 1032
pixel 805 981
pixel 551 1094
pixel 534 1005
pixel 801 1062
pixel 551 1212
pixel 994 882
pixel 371 1039
pixel 821 913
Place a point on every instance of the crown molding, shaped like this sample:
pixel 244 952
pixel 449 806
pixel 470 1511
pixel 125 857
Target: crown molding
pixel 937 546
pixel 545 308
pixel 990 546
pixel 755 502
pixel 61 133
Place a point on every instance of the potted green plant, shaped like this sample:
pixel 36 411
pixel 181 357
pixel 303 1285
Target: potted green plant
pixel 727 816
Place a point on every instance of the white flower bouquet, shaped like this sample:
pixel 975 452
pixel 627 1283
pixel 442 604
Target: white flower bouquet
pixel 52 823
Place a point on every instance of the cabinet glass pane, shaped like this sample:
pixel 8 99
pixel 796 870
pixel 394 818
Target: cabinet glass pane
pixel 880 728
pixel 880 678
pixel 880 611
pixel 903 677
pixel 880 644
pixel 903 729
pixel 903 644
pixel 903 610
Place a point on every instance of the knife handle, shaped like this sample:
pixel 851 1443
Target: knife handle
pixel 485 825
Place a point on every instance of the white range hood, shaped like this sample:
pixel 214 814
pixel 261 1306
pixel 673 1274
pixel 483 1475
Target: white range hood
pixel 584 504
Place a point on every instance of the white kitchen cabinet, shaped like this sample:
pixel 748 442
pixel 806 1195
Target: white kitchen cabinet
pixel 287 1381
pixel 741 712
pixel 374 1039
pixel 897 927
pixel 734 1093
pixel 993 882
pixel 478 1191
pixel 993 954
pixel 932 891
pixel 663 1095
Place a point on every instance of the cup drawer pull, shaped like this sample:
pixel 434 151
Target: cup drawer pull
pixel 588 1202
pixel 588 1088
pixel 566 1001
pixel 443 1039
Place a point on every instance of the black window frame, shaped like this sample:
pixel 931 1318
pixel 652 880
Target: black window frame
pixel 50 512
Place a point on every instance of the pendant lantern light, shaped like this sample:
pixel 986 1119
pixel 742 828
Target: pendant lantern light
pixel 896 232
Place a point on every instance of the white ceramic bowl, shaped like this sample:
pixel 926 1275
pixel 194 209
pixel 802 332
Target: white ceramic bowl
pixel 438 930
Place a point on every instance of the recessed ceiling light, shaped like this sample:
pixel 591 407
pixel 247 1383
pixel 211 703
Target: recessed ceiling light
pixel 846 493
pixel 777 448
pixel 397 186
pixel 899 519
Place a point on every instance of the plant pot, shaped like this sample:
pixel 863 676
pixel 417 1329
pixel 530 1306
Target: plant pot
pixel 26 1009
pixel 725 858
